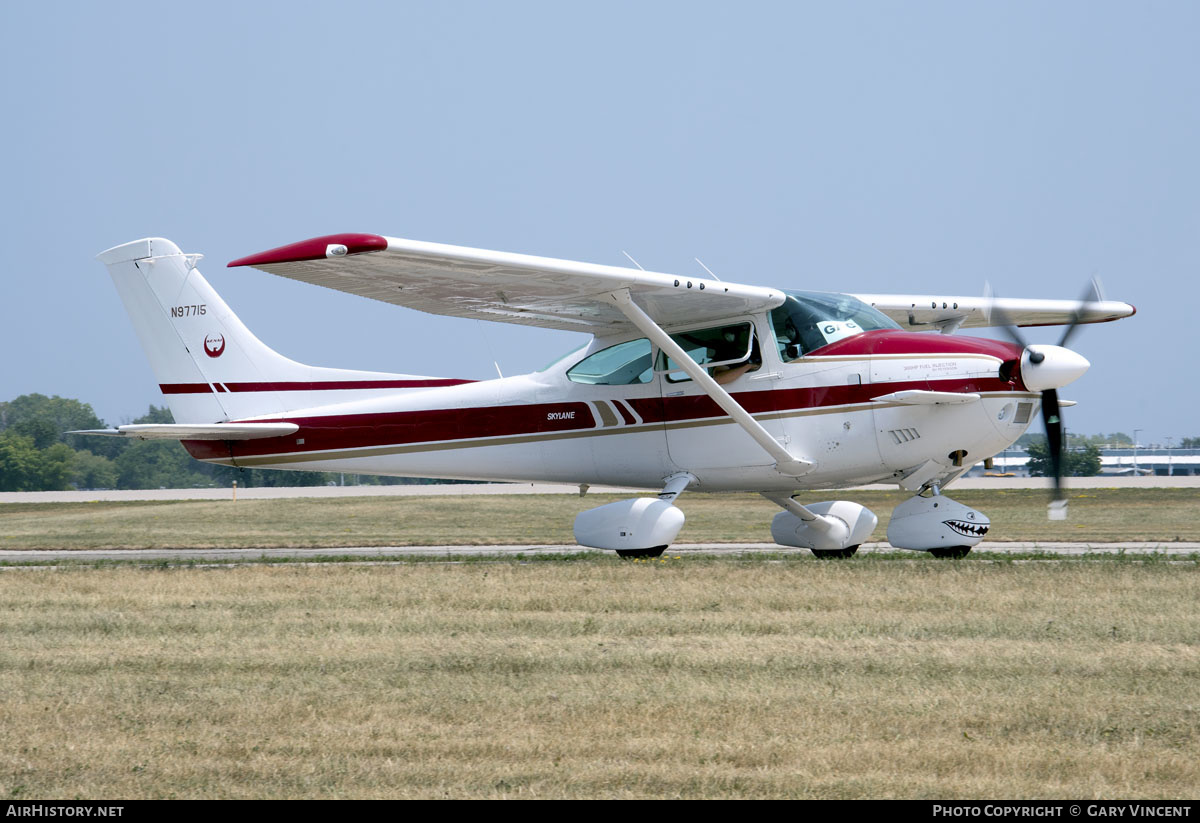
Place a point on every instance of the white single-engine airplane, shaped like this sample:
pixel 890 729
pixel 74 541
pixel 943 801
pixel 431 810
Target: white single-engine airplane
pixel 687 382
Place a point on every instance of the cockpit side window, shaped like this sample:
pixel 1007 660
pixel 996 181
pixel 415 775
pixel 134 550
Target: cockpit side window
pixel 717 349
pixel 624 364
pixel 807 321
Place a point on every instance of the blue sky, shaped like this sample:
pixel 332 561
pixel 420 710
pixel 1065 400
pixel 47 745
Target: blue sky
pixel 878 147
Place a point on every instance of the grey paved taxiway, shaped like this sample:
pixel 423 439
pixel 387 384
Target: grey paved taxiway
pixel 10 558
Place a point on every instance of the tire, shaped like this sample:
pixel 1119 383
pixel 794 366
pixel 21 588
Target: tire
pixel 835 554
pixel 631 553
pixel 951 552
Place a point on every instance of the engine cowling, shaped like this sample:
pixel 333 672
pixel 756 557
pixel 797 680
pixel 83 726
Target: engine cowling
pixel 638 523
pixel 937 522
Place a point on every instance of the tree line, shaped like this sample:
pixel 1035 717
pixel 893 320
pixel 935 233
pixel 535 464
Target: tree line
pixel 37 454
pixel 1077 461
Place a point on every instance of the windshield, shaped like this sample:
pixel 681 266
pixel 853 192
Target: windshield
pixel 808 320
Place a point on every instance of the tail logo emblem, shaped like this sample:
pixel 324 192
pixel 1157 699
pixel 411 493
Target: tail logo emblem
pixel 214 345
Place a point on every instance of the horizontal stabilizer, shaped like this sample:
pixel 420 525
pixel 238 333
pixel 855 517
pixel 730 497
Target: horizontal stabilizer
pixel 192 431
pixel 916 397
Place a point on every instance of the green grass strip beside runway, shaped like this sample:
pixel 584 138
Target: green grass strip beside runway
pixel 1097 515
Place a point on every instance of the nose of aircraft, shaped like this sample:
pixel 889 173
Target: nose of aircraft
pixel 1051 367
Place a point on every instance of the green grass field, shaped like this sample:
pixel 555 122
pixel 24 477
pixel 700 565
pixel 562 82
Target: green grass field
pixel 587 676
pixel 1097 515
pixel 601 678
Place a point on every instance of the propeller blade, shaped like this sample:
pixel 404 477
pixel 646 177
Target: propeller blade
pixel 1092 293
pixel 998 317
pixel 1051 412
pixel 1052 419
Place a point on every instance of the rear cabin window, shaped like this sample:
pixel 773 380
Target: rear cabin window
pixel 624 364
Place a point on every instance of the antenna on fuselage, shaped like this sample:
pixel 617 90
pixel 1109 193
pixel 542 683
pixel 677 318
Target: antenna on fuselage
pixel 707 269
pixel 631 260
pixel 488 343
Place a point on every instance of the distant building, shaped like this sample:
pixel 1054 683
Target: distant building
pixel 1113 462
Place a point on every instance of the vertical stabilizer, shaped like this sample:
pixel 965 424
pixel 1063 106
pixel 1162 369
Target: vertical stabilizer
pixel 210 367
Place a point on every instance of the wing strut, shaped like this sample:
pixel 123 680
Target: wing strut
pixel 785 462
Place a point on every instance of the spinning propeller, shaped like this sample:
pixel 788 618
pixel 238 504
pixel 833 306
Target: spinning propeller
pixel 1044 369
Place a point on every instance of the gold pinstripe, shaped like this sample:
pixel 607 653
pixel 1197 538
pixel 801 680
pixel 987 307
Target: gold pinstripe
pixel 379 451
pixel 607 418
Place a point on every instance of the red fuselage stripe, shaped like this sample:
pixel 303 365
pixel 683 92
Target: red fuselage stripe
pixel 353 431
pixel 184 388
pixel 320 385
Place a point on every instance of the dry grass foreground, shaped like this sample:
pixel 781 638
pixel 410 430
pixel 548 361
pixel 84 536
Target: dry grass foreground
pixel 597 678
pixel 1099 515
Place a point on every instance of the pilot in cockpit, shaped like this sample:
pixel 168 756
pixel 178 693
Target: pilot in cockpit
pixel 727 374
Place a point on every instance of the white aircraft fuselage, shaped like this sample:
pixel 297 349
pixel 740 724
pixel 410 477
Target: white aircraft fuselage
pixel 542 426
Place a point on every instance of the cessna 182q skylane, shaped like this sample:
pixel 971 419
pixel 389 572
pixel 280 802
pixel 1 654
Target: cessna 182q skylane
pixel 687 383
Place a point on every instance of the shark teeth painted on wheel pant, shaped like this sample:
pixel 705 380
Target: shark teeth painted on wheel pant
pixel 967 529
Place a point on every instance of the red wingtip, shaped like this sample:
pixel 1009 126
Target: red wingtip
pixel 314 249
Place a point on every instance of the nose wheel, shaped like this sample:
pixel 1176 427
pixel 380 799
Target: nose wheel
pixel 943 527
pixel 951 552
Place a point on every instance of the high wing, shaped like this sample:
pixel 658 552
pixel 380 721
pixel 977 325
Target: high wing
pixel 570 295
pixel 505 287
pixel 924 312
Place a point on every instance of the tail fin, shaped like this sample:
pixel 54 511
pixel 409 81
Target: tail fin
pixel 208 364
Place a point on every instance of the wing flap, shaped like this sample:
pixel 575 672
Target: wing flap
pixel 505 287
